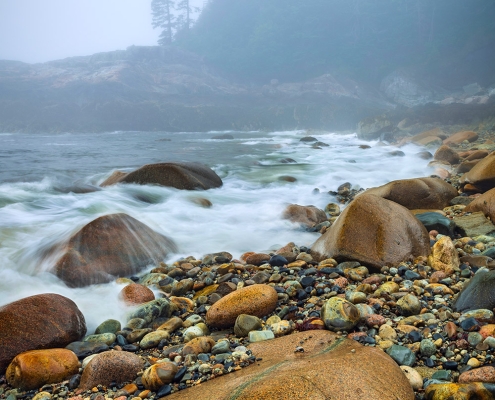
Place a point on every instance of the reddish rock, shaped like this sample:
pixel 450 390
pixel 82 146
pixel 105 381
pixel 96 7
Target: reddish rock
pixel 445 153
pixel 257 300
pixel 158 375
pixel 484 203
pixel 482 374
pixel 375 232
pixel 110 366
pixel 38 322
pixel 329 368
pixel 450 329
pixel 35 368
pixel 437 276
pixel 257 258
pixel 375 319
pixel 185 176
pixel 460 137
pixel 418 193
pixel 307 216
pixel 110 246
pixel 487 330
pixel 482 175
pixel 135 293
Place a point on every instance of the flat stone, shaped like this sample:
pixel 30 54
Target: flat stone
pixel 328 368
pixel 474 224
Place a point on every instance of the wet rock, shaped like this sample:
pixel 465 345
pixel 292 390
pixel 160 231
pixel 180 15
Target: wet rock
pixel 460 391
pixel 108 247
pixel 108 326
pixel 38 322
pixel 153 309
pixel 152 339
pixel 258 258
pixel 107 338
pixel 478 293
pixel 444 256
pixel 284 373
pixel 158 375
pixel 24 371
pixel 245 324
pixel 110 367
pixel 257 300
pixel 474 224
pixel 375 232
pixel 307 216
pixel 401 355
pixel 198 345
pixel 484 203
pixel 482 175
pixel 136 293
pixel 445 153
pixel 83 349
pixel 339 314
pixel 460 137
pixel 482 374
pixel 260 336
pixel 184 176
pixel 438 222
pixel 409 305
pixel 417 193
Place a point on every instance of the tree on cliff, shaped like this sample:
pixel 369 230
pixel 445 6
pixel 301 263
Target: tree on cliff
pixel 163 18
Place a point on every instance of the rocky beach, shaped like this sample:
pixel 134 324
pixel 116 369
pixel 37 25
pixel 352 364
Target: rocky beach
pixel 392 300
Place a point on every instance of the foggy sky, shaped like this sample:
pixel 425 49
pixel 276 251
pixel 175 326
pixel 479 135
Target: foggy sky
pixel 43 30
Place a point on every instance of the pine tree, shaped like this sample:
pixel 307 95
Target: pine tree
pixel 164 18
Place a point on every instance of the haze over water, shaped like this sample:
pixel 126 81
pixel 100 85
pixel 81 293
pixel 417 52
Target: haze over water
pixel 41 204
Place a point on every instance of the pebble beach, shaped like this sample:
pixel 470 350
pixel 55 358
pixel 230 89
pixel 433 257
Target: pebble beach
pixel 379 307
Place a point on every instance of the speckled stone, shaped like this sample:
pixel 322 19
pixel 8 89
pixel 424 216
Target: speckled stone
pixel 482 374
pixel 284 374
pixel 402 355
pixel 245 324
pixel 110 366
pixel 409 305
pixel 152 339
pixel 198 345
pixel 35 368
pixel 460 391
pixel 108 326
pixel 257 300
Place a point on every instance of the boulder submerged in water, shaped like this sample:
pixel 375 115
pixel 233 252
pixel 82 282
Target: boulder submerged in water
pixel 110 246
pixel 43 321
pixel 184 176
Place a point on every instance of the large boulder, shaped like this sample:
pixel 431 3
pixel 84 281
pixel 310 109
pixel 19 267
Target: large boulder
pixel 484 203
pixel 417 193
pixel 375 232
pixel 42 321
pixel 328 367
pixel 460 137
pixel 110 246
pixel 482 175
pixel 185 176
pixel 477 293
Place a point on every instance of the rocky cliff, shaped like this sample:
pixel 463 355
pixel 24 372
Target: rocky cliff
pixel 158 88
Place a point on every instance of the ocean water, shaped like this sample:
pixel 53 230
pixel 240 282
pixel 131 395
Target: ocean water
pixel 44 198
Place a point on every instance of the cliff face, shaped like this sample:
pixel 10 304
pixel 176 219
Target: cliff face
pixel 158 88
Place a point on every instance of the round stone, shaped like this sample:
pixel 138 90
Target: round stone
pixel 409 305
pixel 108 326
pixel 158 375
pixel 339 314
pixel 245 324
pixel 136 293
pixel 427 347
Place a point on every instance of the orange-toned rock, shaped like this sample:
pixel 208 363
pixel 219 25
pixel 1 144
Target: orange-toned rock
pixel 328 368
pixel 425 193
pixel 257 300
pixel 375 232
pixel 460 137
pixel 136 293
pixel 110 246
pixel 445 153
pixel 158 375
pixel 185 176
pixel 487 330
pixel 420 138
pixel 484 203
pixel 38 322
pixel 35 368
pixel 482 374
pixel 444 256
pixel 202 344
pixel 482 175
pixel 110 366
pixel 461 391
pixel 307 216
